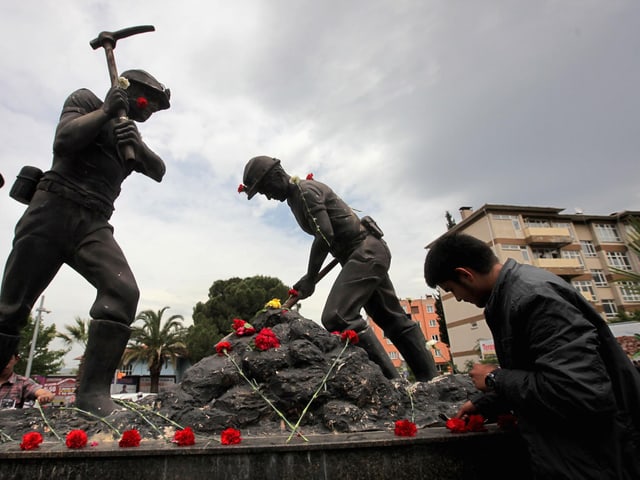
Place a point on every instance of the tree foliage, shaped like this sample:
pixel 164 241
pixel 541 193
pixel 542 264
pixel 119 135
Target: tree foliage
pixel 229 299
pixel 76 333
pixel 46 361
pixel 154 343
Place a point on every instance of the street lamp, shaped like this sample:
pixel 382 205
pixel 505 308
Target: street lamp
pixel 32 350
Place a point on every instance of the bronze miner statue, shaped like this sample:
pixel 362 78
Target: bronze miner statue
pixel 363 281
pixel 67 222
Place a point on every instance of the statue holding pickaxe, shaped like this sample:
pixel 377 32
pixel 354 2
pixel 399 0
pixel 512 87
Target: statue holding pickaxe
pixel 97 145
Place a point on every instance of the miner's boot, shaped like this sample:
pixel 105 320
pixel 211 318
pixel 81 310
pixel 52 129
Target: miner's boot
pixel 413 347
pixel 8 346
pixel 107 342
pixel 370 343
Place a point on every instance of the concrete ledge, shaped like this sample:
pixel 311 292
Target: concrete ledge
pixel 435 453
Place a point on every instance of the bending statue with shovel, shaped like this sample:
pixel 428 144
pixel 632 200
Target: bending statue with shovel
pixel 97 145
pixel 363 281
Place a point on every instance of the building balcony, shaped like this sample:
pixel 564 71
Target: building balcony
pixel 564 267
pixel 556 236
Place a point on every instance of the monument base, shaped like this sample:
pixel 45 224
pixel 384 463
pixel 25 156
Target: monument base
pixel 435 453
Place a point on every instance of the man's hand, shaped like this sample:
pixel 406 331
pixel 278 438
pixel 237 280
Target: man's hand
pixel 44 396
pixel 115 101
pixel 478 374
pixel 466 409
pixel 305 287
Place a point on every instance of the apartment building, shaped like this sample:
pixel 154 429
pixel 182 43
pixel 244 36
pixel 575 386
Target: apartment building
pixel 578 247
pixel 422 311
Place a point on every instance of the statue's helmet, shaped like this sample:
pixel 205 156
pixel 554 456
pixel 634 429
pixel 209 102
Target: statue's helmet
pixel 161 94
pixel 254 172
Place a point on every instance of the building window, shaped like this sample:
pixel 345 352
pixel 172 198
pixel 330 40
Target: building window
pixel 588 249
pixel 618 260
pixel 435 337
pixel 586 289
pixel 537 223
pixel 598 278
pixel 437 352
pixel 515 221
pixel 433 323
pixel 393 355
pixel 429 308
pixel 606 232
pixel 630 291
pixel 573 254
pixel 609 307
pixel 127 369
pixel 518 248
pixel 414 310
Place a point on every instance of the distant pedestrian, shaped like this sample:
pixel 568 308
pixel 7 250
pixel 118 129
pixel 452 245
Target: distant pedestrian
pixel 16 389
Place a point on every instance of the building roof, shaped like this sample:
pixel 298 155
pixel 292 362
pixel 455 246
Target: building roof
pixel 541 211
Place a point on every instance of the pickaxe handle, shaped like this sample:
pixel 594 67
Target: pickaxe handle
pixel 108 40
pixel 293 299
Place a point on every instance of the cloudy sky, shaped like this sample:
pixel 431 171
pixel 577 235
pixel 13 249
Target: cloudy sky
pixel 407 108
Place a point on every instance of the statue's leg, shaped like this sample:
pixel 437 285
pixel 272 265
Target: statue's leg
pixel 101 261
pixel 358 278
pixel 405 334
pixel 37 254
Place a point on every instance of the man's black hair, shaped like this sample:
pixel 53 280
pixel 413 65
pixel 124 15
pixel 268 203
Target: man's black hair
pixel 454 250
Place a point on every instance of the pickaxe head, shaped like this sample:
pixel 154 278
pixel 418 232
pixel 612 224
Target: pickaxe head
pixel 111 38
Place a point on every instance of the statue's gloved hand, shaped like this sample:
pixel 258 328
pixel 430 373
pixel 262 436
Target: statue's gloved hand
pixel 116 100
pixel 126 132
pixel 305 287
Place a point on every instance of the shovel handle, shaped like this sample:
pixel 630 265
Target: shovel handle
pixel 293 299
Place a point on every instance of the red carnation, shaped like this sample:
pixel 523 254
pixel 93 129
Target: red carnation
pixel 456 425
pixel 405 428
pixel 241 188
pixel 76 439
pixel 310 176
pixel 130 438
pixel 476 424
pixel 350 336
pixel 184 437
pixel 266 339
pixel 142 103
pixel 293 292
pixel 223 347
pixel 31 441
pixel 230 436
pixel 242 327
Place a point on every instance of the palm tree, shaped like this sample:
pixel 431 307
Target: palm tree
pixel 154 343
pixel 76 333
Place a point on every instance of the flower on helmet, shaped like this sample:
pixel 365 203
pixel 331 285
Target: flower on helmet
pixel 309 176
pixel 241 188
pixel 123 82
pixel 142 103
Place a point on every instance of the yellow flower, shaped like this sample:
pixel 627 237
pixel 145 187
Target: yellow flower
pixel 273 303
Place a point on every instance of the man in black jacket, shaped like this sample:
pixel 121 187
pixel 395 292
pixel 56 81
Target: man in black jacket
pixel 575 393
pixel 67 222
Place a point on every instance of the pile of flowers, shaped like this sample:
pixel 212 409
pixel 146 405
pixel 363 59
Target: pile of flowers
pixel 473 423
